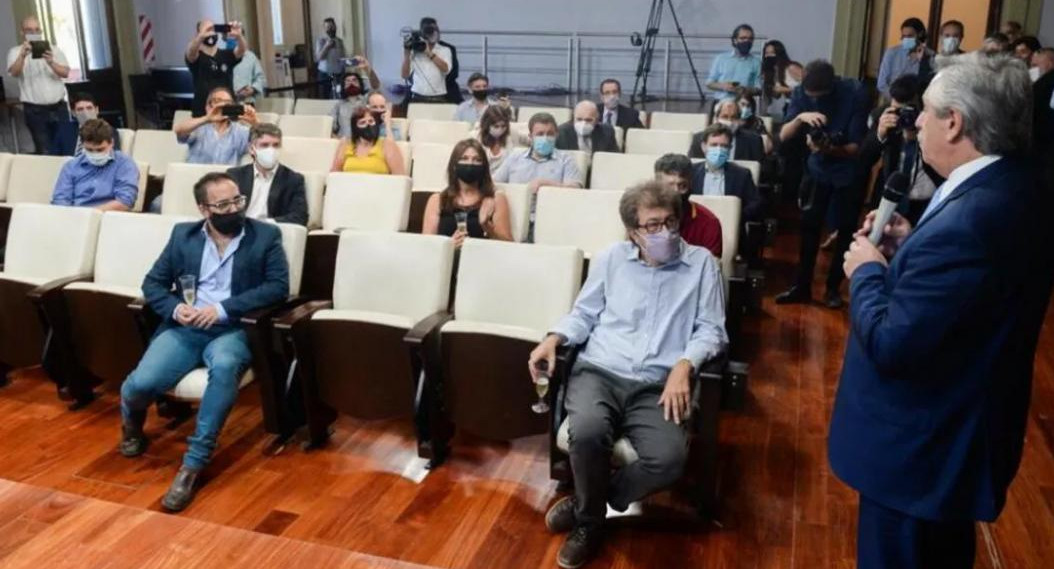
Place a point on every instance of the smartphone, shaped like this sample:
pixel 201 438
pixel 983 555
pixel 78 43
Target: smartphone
pixel 352 62
pixel 39 47
pixel 222 28
pixel 233 111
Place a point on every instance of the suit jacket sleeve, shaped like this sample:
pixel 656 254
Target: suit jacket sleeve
pixel 605 140
pixel 633 118
pixel 566 138
pixel 157 285
pixel 275 285
pixel 871 149
pixel 293 200
pixel 753 207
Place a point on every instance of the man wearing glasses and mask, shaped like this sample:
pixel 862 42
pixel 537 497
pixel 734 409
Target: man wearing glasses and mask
pixel 234 265
pixel 651 312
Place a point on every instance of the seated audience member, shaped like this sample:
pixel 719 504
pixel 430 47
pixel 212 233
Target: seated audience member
pixel 719 177
pixel 381 110
pixel 951 40
pixel 633 375
pixel 472 109
pixel 699 226
pixel 615 113
pixel 910 57
pixel 1023 49
pixel 240 267
pixel 67 140
pixel 541 164
pixel 995 44
pixel 273 190
pixel 738 71
pixel 214 138
pixel 354 97
pixel 1042 93
pixel 584 132
pixel 366 152
pixel 100 176
pixel 746 144
pixel 749 121
pixel 469 206
pixel 496 134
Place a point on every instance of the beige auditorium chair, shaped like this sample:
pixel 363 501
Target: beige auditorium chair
pixel 403 126
pixel 616 171
pixel 158 148
pixel 5 173
pixel 177 197
pixel 314 188
pixel 561 114
pixel 127 140
pixel 276 105
pixel 32 178
pixel 388 286
pixel 430 111
pixel 429 175
pixel 754 166
pixel 440 132
pixel 651 141
pixel 144 177
pixel 693 122
pixel 272 118
pixel 309 126
pixel 322 107
pixel 180 116
pixel 309 154
pixel 588 220
pixel 407 151
pixel 519 200
pixel 582 161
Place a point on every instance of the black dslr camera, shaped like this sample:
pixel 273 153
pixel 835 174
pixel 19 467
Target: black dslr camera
pixel 414 41
pixel 906 117
pixel 821 137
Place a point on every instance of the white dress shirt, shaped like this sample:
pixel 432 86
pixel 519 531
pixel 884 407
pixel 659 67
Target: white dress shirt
pixel 261 192
pixel 39 84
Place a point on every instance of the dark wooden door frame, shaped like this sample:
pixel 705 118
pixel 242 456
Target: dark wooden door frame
pixel 995 12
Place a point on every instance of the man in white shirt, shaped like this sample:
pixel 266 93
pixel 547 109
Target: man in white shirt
pixel 275 192
pixel 426 63
pixel 41 90
pixel 330 54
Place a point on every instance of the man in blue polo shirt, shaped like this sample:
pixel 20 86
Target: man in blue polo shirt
pixel 738 70
pixel 100 176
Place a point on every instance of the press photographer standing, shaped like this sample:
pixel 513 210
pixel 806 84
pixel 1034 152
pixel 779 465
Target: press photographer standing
pixel 426 63
pixel 831 113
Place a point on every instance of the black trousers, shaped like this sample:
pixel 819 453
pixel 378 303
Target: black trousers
pixel 888 539
pixel 816 198
pixel 43 122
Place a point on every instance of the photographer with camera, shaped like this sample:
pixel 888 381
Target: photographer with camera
pixel 426 64
pixel 831 113
pixel 211 66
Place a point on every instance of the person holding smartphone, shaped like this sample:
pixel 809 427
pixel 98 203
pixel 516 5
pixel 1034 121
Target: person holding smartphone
pixel 221 136
pixel 210 65
pixel 40 68
pixel 737 71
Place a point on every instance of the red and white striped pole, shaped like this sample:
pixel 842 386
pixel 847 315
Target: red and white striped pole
pixel 146 42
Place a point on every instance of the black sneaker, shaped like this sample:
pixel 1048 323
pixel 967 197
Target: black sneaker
pixel 561 516
pixel 133 442
pixel 794 295
pixel 833 300
pixel 581 546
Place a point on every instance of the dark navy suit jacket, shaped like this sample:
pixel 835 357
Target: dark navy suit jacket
pixel 259 277
pixel 738 182
pixel 930 413
pixel 65 141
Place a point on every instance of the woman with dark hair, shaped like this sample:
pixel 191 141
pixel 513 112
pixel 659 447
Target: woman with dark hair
pixel 750 121
pixel 496 134
pixel 779 77
pixel 366 151
pixel 469 206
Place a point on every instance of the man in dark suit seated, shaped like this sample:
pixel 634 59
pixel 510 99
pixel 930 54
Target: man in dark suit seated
pixel 236 265
pixel 699 226
pixel 67 141
pixel 746 144
pixel 273 190
pixel 615 113
pixel 584 133
pixel 930 415
pixel 719 177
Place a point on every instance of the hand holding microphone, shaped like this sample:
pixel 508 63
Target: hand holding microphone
pixel 883 230
pixel 894 192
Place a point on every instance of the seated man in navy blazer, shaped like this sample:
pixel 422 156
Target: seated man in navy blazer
pixel 67 141
pixel 746 144
pixel 274 191
pixel 614 113
pixel 237 265
pixel 929 420
pixel 719 177
pixel 585 132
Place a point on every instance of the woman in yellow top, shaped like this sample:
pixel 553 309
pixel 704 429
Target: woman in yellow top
pixel 367 152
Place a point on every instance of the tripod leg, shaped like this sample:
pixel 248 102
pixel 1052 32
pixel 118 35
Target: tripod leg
pixel 646 51
pixel 688 54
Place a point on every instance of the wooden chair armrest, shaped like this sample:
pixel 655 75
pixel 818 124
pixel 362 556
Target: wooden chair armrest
pixel 286 321
pixel 40 293
pixel 425 328
pixel 253 317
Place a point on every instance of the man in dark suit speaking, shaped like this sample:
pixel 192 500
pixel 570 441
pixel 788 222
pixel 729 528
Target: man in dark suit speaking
pixel 929 420
pixel 273 190
pixel 584 133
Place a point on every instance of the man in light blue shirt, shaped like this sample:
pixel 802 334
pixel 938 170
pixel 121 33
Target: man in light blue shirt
pixel 651 313
pixel 215 138
pixel 910 57
pixel 736 71
pixel 98 177
pixel 472 109
pixel 249 80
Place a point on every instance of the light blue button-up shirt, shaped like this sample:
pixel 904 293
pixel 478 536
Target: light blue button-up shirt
pixel 82 184
pixel 714 182
pixel 215 273
pixel 730 66
pixel 640 321
pixel 896 63
pixel 207 146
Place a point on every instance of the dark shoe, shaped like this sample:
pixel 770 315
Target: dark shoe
pixel 833 300
pixel 581 547
pixel 133 441
pixel 181 493
pixel 561 516
pixel 794 295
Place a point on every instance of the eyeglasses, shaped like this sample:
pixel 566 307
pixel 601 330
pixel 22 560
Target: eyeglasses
pixel 654 226
pixel 228 205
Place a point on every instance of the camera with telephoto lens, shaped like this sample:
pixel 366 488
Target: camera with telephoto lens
pixel 821 137
pixel 906 117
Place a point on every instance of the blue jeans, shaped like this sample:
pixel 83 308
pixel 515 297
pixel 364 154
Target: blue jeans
pixel 174 353
pixel 43 122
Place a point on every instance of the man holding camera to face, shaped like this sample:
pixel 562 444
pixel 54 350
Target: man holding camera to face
pixel 211 65
pixel 426 63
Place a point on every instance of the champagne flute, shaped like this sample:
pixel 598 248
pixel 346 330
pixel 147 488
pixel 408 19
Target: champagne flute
pixel 461 217
pixel 541 387
pixel 188 285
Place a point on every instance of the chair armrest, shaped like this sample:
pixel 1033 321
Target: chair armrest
pixel 304 310
pixel 40 293
pixel 253 317
pixel 425 328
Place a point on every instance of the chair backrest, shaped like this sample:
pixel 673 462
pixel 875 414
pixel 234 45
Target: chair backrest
pixel 369 202
pixel 561 114
pixel 144 177
pixel 271 118
pixel 620 137
pixel 431 111
pixel 5 173
pixel 582 162
pixel 158 148
pixel 309 154
pixel 644 141
pixel 180 116
pixel 294 241
pixel 127 140
pixel 429 164
pixel 441 132
pixel 407 150
pixel 277 105
pixel 32 178
pixel 516 284
pixel 315 188
pixel 177 195
pixel 754 166
pixel 312 126
pixel 615 171
pixel 586 219
pixel 314 106
pixel 393 273
pixel 50 242
pixel 403 126
pixel 519 199
pixel 729 211
pixel 129 244
pixel 693 122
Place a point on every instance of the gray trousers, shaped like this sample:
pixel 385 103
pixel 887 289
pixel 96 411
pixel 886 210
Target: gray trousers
pixel 601 408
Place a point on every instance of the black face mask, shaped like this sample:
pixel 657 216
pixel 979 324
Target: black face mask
pixel 369 133
pixel 331 33
pixel 229 224
pixel 481 94
pixel 378 116
pixel 211 40
pixel 744 46
pixel 469 173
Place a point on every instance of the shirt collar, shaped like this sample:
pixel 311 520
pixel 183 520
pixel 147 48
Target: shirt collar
pixel 268 176
pixel 965 171
pixel 237 238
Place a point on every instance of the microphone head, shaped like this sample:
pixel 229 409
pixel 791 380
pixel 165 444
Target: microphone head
pixel 896 186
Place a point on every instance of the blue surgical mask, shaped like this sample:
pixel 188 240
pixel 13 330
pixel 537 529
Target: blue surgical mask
pixel 717 156
pixel 909 43
pixel 543 145
pixel 949 44
pixel 98 159
pixel 745 113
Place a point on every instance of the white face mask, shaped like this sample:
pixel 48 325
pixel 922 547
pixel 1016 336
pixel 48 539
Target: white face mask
pixel 498 131
pixel 584 128
pixel 98 159
pixel 34 37
pixel 267 158
pixel 949 44
pixel 610 101
pixel 85 116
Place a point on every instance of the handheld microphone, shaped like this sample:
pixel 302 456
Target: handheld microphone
pixel 892 195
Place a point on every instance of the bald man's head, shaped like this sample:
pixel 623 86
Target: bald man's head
pixel 587 111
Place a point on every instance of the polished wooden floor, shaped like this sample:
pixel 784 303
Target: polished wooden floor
pixel 72 501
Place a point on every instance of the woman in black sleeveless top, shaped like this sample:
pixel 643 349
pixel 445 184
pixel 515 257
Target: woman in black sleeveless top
pixel 469 206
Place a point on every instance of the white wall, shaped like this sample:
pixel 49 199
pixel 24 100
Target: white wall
pixel 805 26
pixel 1046 24
pixel 173 24
pixel 9 37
